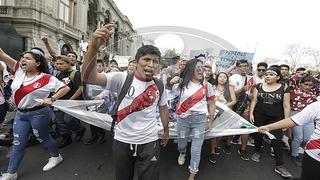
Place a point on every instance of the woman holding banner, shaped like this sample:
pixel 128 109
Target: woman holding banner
pixel 311 157
pixel 192 112
pixel 270 103
pixel 32 82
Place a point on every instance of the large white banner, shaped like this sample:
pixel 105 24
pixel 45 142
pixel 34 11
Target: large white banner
pixel 226 123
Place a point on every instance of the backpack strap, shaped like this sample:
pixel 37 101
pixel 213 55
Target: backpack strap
pixel 72 75
pixel 160 86
pixel 122 94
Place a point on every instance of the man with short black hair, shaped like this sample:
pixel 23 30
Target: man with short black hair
pixel 261 71
pixel 285 74
pixel 136 133
pixel 112 64
pixel 66 124
pixel 242 83
pixel 73 60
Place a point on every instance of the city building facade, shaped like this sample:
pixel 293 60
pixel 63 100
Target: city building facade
pixel 68 25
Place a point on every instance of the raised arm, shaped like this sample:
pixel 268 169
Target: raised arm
pixel 7 59
pixel 229 70
pixel 89 73
pixel 285 123
pixel 50 50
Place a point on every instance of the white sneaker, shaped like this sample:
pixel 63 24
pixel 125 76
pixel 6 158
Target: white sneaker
pixel 9 176
pixel 53 162
pixel 181 158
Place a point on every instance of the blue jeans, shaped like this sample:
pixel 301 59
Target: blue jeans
pixel 301 134
pixel 39 121
pixel 192 126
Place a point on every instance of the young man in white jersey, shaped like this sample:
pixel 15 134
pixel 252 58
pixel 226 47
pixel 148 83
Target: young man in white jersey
pixel 242 84
pixel 136 134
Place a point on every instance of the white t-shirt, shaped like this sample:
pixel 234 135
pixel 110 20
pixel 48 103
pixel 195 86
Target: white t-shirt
pixel 238 81
pixel 25 94
pixel 137 123
pixel 219 95
pixel 311 113
pixel 258 80
pixel 194 99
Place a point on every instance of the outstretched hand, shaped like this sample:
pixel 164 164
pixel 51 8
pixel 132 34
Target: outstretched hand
pixel 101 36
pixel 263 129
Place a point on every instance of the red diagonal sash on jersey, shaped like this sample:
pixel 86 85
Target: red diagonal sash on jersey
pixel 192 100
pixel 22 92
pixel 15 68
pixel 313 144
pixel 144 100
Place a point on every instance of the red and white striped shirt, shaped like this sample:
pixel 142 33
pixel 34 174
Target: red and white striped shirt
pixel 40 87
pixel 136 121
pixel 194 99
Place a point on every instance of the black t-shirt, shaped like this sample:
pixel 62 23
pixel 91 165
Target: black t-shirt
pixel 73 84
pixel 270 103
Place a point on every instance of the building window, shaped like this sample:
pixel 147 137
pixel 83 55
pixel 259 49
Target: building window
pixel 67 11
pixel 2 2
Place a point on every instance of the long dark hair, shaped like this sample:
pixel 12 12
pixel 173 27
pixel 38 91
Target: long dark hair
pixel 188 73
pixel 38 55
pixel 226 92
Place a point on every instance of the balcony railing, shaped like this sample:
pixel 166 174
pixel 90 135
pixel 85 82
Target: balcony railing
pixel 3 10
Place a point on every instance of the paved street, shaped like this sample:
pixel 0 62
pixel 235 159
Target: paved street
pixel 96 162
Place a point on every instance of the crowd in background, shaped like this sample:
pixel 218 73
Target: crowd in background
pixel 264 96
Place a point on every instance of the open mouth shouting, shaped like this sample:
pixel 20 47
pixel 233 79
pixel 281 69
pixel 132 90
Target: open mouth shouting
pixel 148 72
pixel 23 64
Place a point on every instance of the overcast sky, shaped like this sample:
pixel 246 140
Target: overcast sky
pixel 267 26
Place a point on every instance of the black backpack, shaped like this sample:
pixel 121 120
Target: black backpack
pixel 242 101
pixel 124 91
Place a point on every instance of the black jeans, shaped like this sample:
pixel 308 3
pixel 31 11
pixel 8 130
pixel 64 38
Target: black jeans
pixel 146 156
pixel 261 120
pixel 97 132
pixel 310 168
